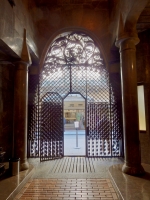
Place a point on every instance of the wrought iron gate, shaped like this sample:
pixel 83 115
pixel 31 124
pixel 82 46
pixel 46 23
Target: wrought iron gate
pixel 74 65
pixel 51 127
pixel 99 136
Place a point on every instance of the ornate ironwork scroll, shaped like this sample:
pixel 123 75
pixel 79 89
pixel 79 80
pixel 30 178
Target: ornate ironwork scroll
pixel 74 64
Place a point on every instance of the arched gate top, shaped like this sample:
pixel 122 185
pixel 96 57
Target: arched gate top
pixel 74 48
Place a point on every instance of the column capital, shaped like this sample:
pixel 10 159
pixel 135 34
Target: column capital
pixel 25 55
pixel 21 65
pixel 127 43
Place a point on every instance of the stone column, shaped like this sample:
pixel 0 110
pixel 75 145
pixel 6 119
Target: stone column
pixel 132 164
pixel 20 113
pixel 20 107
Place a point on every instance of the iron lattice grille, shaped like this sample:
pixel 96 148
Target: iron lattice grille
pixel 99 137
pixel 57 81
pixel 116 115
pixel 33 132
pixel 98 113
pixel 79 80
pixel 98 85
pixel 74 64
pixel 51 126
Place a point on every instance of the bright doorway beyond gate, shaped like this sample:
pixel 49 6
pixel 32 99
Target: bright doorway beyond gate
pixel 74 138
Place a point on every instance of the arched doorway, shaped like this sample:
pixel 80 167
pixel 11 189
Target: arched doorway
pixel 74 64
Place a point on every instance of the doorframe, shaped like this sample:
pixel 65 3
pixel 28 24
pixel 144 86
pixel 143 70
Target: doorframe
pixel 85 98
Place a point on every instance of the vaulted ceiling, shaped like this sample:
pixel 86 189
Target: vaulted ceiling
pixel 144 19
pixel 142 24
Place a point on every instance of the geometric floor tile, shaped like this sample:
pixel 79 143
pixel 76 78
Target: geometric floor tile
pixel 68 189
pixel 74 167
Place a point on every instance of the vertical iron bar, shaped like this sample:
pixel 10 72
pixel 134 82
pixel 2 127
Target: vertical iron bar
pixel 63 127
pixel 52 134
pixel 38 85
pixel 76 137
pixel 70 78
pixel 28 143
pixel 110 114
pixel 86 117
pixel 39 115
pixel 86 142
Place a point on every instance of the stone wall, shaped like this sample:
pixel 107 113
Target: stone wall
pixel 44 21
pixel 13 21
pixel 55 17
pixel 6 107
pixel 143 76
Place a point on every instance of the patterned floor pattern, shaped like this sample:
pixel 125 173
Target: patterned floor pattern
pixel 73 167
pixel 68 189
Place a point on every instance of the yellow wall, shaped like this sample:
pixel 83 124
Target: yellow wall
pixel 141 107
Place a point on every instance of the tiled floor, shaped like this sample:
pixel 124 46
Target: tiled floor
pixel 10 185
pixel 73 172
pixel 68 189
pixel 74 167
pixel 70 178
pixel 131 187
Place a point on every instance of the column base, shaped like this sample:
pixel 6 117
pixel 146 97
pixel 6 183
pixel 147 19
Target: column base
pixel 133 171
pixel 24 166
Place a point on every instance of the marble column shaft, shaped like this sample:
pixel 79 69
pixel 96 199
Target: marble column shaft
pixel 132 152
pixel 20 113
